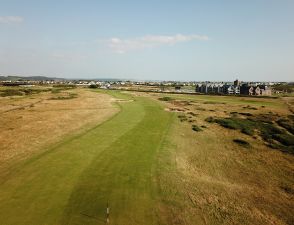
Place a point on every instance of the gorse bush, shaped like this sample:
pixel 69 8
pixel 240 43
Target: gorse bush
pixel 285 139
pixel 196 128
pixel 93 86
pixel 20 91
pixel 262 125
pixel 166 98
pixel 209 119
pixel 287 124
pixel 242 142
pixel 11 92
pixel 182 118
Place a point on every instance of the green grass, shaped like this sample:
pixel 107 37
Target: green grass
pixel 72 182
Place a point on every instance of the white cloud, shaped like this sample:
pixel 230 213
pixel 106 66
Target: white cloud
pixel 150 41
pixel 11 19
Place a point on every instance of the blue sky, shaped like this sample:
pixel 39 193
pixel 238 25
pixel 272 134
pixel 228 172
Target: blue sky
pixel 148 40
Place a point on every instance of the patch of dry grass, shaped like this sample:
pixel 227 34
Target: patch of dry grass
pixel 29 124
pixel 206 178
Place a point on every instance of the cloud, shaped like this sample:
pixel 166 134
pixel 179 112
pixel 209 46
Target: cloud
pixel 150 41
pixel 11 19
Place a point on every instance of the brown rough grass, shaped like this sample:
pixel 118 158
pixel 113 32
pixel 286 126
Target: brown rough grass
pixel 206 178
pixel 29 124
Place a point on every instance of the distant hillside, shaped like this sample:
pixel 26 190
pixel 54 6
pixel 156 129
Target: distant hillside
pixel 20 78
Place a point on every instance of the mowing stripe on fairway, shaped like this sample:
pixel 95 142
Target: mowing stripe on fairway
pixel 111 163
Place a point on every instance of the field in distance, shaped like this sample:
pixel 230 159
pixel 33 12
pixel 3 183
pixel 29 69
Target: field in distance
pixel 68 153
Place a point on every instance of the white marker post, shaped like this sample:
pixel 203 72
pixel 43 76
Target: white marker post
pixel 107 213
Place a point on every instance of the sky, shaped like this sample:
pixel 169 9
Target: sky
pixel 215 40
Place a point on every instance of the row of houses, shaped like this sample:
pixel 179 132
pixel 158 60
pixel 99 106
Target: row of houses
pixel 233 89
pixel 216 88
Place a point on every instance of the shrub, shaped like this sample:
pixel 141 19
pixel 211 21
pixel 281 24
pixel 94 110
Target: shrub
pixel 192 113
pixel 93 86
pixel 242 143
pixel 285 139
pixel 55 90
pixel 228 123
pixel 268 130
pixel 246 126
pixel 249 107
pixel 166 98
pixel 182 118
pixel 291 117
pixel 209 119
pixel 201 109
pixel 264 118
pixel 11 92
pixel 248 131
pixel 64 86
pixel 287 189
pixel 196 128
pixel 287 124
pixel 246 114
pixel 66 97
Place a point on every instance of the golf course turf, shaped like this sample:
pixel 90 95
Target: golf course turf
pixel 74 181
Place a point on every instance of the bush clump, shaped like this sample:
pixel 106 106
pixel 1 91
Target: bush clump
pixel 93 86
pixel 213 102
pixel 245 114
pixel 196 128
pixel 209 119
pixel 20 91
pixel 285 139
pixel 291 117
pixel 192 113
pixel 182 118
pixel 246 126
pixel 228 123
pixel 11 92
pixel 65 97
pixel 287 124
pixel 250 107
pixel 268 131
pixel 65 86
pixel 166 99
pixel 242 142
